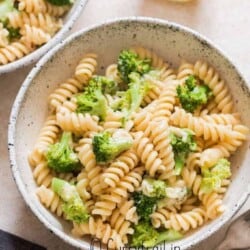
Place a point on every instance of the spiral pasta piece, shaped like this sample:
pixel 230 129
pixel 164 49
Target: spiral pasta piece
pixel 100 230
pixel 141 121
pixel 193 161
pixel 224 149
pixel 94 176
pixel 221 92
pixel 69 177
pixel 213 205
pixel 91 171
pixel 149 157
pixel 47 136
pixel 187 220
pixel 160 137
pixel 119 168
pixel 4 41
pixel 43 21
pixel 112 73
pixel 128 209
pixel 165 104
pixel 201 127
pixel 14 51
pixel 42 6
pixel 42 174
pixel 64 92
pixel 113 121
pixel 50 199
pixel 86 68
pixel 154 92
pixel 121 225
pixel 82 185
pixel 76 122
pixel 114 196
pixel 193 181
pixel 184 71
pixel 86 154
pixel 190 204
pixel 210 108
pixel 160 217
pixel 166 73
pixel 34 35
pixel 223 119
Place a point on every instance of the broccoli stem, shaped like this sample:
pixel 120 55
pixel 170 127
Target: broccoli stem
pixel 64 189
pixel 169 235
pixel 73 207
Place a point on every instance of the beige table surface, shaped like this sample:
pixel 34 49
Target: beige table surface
pixel 226 22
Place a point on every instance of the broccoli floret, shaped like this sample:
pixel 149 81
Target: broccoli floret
pixel 145 235
pixel 6 6
pixel 222 169
pixel 169 235
pixel 14 33
pixel 61 2
pixel 129 62
pixel 174 196
pixel 213 177
pixel 107 85
pixel 73 206
pixel 131 99
pixel 182 146
pixel 144 205
pixel 106 147
pixel 153 188
pixel 61 157
pixel 192 95
pixel 92 100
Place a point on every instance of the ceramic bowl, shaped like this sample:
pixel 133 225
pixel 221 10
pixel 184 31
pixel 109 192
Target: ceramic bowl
pixel 171 41
pixel 33 57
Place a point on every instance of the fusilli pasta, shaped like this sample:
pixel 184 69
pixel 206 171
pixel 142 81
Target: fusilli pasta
pixel 28 25
pixel 148 158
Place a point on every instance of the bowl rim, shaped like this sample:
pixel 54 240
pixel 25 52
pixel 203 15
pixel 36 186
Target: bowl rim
pixel 35 55
pixel 21 94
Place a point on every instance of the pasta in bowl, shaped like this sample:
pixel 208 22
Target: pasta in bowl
pixel 137 144
pixel 29 28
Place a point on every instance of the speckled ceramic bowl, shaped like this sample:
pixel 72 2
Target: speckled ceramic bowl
pixel 171 41
pixel 33 57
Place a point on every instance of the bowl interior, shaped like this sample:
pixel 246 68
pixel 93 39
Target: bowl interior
pixel 68 21
pixel 173 43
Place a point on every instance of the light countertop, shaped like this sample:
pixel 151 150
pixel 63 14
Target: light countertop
pixel 226 22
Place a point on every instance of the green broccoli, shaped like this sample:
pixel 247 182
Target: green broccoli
pixel 14 33
pixel 192 95
pixel 106 147
pixel 144 205
pixel 146 236
pixel 174 196
pixel 73 206
pixel 154 188
pixel 6 6
pixel 92 100
pixel 182 146
pixel 61 157
pixel 61 2
pixel 107 85
pixel 131 99
pixel 213 177
pixel 129 62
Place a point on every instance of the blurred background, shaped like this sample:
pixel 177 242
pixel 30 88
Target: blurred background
pixel 225 22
